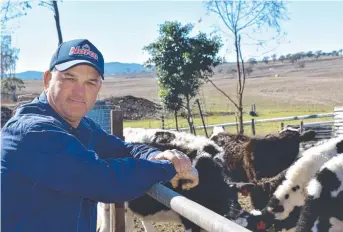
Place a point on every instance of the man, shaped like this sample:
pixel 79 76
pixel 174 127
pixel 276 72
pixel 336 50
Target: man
pixel 57 164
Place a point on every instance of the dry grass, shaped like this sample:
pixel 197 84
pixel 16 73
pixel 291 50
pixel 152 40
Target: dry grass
pixel 317 85
pixel 316 88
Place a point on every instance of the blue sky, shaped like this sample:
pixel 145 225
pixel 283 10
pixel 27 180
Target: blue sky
pixel 121 29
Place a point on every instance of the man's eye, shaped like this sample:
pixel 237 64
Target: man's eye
pixel 69 78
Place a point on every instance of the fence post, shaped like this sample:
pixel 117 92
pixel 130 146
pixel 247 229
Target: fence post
pixel 176 122
pixel 301 126
pixel 253 126
pixel 119 218
pixel 282 125
pixel 202 117
pixel 162 117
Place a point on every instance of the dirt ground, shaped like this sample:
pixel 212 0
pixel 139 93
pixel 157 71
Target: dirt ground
pixel 174 227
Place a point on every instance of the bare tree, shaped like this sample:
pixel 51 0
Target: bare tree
pixel 14 9
pixel 238 17
pixel 10 10
pixel 52 5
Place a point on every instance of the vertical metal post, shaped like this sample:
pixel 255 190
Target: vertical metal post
pixel 119 217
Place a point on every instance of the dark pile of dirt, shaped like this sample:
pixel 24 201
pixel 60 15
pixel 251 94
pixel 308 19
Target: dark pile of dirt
pixel 6 114
pixel 135 108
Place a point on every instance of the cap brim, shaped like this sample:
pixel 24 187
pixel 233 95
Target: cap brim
pixel 69 64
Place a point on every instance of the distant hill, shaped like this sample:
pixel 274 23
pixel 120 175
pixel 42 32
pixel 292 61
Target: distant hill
pixel 115 68
pixel 111 69
pixel 30 75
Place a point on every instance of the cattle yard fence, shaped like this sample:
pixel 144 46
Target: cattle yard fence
pixel 187 208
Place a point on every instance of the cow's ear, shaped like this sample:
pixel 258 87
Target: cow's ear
pixel 244 188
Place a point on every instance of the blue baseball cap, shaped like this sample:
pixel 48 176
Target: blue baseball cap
pixel 75 52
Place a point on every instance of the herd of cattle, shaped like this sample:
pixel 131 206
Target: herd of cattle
pixel 295 183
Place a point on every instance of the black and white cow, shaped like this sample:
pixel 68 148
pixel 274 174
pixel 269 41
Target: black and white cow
pixel 291 192
pixel 212 192
pixel 323 208
pixel 284 208
pixel 289 198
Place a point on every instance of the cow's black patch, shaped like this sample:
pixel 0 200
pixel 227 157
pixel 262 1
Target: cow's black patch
pixel 210 149
pixel 339 147
pixel 163 137
pixel 274 203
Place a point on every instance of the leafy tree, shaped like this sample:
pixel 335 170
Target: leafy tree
pixel 172 101
pixel 252 61
pixel 183 63
pixel 240 18
pixel 282 58
pixel 265 59
pixel 318 53
pixel 249 70
pixel 8 56
pixel 11 84
pixel 274 57
pixel 288 56
pixel 309 54
pixel 335 53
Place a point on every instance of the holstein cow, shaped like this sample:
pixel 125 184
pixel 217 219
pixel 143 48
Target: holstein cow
pixel 289 197
pixel 289 200
pixel 212 191
pixel 323 208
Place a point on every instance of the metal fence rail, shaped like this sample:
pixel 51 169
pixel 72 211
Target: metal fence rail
pixel 201 216
pixel 264 121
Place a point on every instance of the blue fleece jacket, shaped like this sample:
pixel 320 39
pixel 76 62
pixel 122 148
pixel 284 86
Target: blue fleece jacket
pixel 52 176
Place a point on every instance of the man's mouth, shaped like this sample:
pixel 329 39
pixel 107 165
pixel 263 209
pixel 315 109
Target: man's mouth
pixel 77 101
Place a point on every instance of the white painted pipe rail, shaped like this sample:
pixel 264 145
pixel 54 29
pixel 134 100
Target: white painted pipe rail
pixel 203 217
pixel 265 121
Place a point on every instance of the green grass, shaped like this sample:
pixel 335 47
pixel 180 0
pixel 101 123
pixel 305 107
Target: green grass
pixel 260 128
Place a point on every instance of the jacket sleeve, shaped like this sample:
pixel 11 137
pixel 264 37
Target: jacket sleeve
pixel 110 146
pixel 48 155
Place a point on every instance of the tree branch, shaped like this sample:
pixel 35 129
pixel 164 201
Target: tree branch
pixel 240 54
pixel 252 10
pixel 224 20
pixel 253 19
pixel 234 103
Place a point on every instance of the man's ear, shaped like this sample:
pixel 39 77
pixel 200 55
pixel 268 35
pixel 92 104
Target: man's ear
pixel 46 79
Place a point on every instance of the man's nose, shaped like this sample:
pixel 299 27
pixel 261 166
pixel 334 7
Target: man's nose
pixel 79 89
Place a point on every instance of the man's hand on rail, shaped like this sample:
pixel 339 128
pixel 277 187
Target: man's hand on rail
pixel 181 162
pixel 183 167
pixel 191 179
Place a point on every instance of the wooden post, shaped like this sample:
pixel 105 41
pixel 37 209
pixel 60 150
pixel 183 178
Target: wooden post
pixel 117 130
pixel 194 132
pixel 176 122
pixel 162 117
pixel 253 126
pixel 301 126
pixel 282 125
pixel 202 118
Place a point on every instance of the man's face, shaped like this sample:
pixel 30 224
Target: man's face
pixel 72 93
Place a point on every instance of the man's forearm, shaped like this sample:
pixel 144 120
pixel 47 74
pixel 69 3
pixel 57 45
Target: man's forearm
pixel 142 151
